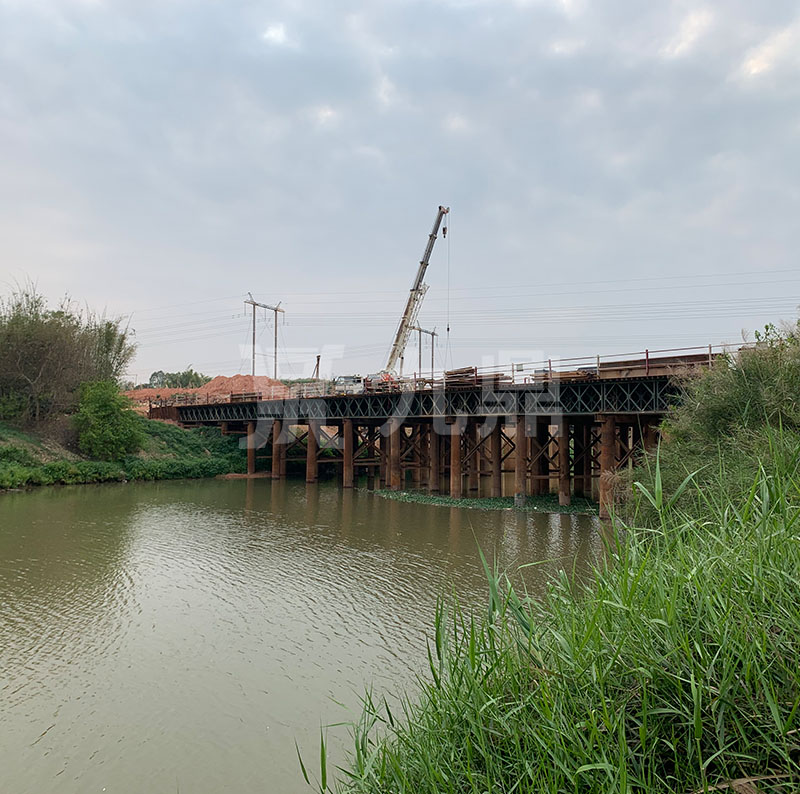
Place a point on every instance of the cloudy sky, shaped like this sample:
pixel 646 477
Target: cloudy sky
pixel 621 174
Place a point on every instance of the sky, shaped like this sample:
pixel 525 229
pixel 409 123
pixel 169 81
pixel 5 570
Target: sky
pixel 621 175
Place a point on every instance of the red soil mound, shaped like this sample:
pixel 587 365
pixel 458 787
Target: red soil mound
pixel 221 386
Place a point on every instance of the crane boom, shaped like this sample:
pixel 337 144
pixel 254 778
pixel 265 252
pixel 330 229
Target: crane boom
pixel 415 296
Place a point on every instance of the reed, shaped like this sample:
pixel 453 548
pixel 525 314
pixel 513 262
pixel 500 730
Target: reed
pixel 676 669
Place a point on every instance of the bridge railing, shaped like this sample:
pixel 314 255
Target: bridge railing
pixel 640 363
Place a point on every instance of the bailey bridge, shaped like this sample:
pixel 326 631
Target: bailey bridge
pixel 555 429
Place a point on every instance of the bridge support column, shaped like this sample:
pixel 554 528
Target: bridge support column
pixel 496 455
pixel 395 441
pixel 347 463
pixel 650 437
pixel 520 463
pixel 416 455
pixel 277 444
pixel 456 471
pixel 434 459
pixel 285 436
pixel 383 465
pixel 474 460
pixel 608 460
pixel 540 470
pixel 251 447
pixel 424 455
pixel 582 484
pixel 312 450
pixel 372 453
pixel 564 479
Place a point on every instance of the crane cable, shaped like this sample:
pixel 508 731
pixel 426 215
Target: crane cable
pixel 447 350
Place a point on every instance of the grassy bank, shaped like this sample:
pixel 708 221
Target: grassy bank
pixel 169 452
pixel 676 670
pixel 534 504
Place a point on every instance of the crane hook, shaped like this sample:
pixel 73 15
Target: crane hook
pixel 444 231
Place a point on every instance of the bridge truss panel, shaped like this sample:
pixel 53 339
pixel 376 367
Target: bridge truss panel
pixel 631 396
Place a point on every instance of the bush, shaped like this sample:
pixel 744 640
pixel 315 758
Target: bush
pixel 107 428
pixel 12 475
pixel 12 454
pixel 741 415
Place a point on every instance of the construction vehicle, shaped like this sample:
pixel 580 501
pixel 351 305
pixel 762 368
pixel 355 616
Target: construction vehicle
pixel 409 317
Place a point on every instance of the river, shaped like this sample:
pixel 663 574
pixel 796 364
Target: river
pixel 181 636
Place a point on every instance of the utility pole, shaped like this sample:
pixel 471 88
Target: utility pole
pixel 420 332
pixel 274 309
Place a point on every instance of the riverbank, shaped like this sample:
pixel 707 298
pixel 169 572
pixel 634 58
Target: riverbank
pixel 533 504
pixel 31 459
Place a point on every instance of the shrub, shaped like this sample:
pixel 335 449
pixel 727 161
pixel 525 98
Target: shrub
pixel 12 454
pixel 12 475
pixel 107 427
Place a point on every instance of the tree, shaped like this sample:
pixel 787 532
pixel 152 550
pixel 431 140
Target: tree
pixel 107 427
pixel 45 354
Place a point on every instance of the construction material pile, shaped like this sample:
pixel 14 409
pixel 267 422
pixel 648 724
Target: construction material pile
pixel 218 389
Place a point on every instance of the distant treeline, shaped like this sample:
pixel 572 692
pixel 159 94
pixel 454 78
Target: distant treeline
pixel 188 379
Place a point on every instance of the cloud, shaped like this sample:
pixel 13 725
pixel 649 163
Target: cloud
pixel 276 34
pixel 694 25
pixel 779 48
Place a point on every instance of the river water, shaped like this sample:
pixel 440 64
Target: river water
pixel 181 636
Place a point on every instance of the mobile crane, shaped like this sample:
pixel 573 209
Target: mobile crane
pixel 409 317
pixel 385 379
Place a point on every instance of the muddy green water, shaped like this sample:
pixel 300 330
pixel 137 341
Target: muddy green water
pixel 179 637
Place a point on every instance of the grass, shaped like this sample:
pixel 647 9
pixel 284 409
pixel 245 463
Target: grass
pixel 169 453
pixel 677 669
pixel 534 504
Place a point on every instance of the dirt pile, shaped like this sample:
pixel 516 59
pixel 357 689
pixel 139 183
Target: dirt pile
pixel 219 387
pixel 243 384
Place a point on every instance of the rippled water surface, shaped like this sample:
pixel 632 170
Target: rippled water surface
pixel 179 637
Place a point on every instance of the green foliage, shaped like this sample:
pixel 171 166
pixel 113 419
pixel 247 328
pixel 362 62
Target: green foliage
pixel 20 455
pixel 45 354
pixel 107 427
pixel 173 453
pixel 742 414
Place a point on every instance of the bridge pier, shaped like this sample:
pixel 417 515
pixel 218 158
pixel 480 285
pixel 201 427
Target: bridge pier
pixel 474 457
pixel 434 460
pixel 608 460
pixel 383 465
pixel 395 450
pixel 456 472
pixel 540 457
pixel 312 451
pixel 278 449
pixel 521 445
pixel 251 447
pixel 372 455
pixel 564 479
pixel 348 468
pixel 496 459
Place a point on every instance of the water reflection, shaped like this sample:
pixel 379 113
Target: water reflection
pixel 183 635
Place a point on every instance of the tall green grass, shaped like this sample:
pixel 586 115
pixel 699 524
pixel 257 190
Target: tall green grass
pixel 677 669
